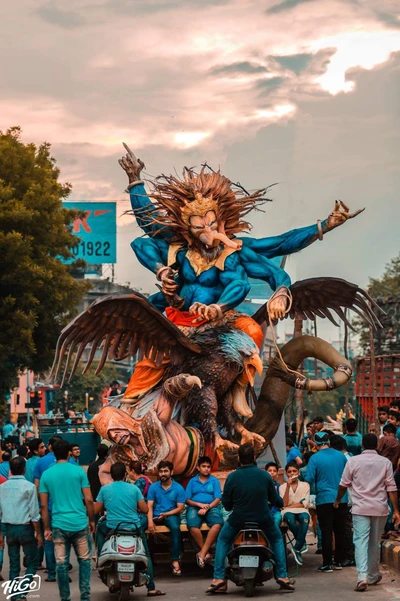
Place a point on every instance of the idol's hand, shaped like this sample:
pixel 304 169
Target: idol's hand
pixel 207 312
pixel 340 214
pixel 131 165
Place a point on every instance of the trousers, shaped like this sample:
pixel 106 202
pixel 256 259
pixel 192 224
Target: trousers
pixel 331 521
pixel 366 537
pixel 298 524
pixel 81 541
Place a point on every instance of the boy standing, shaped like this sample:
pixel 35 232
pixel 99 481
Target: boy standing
pixel 203 497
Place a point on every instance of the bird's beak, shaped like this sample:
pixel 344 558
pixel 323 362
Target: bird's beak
pixel 253 365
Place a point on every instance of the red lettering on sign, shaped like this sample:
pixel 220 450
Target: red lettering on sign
pixel 82 222
pixel 99 212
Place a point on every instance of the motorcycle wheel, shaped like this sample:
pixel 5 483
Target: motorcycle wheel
pixel 124 592
pixel 249 587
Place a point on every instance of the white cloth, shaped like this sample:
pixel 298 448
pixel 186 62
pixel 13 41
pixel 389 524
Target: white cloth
pixel 300 495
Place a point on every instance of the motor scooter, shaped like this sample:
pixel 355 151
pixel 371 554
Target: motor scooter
pixel 250 562
pixel 122 563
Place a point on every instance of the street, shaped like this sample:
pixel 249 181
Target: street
pixel 310 584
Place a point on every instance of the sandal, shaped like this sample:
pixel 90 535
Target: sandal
pixel 155 593
pixel 361 586
pixel 377 581
pixel 176 571
pixel 217 589
pixel 200 562
pixel 286 585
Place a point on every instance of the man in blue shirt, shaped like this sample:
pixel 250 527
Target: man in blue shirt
pixel 352 437
pixel 324 471
pixel 203 497
pixel 41 466
pixel 293 452
pixel 122 502
pixel 19 513
pixel 37 449
pixel 75 454
pixel 166 499
pixel 5 464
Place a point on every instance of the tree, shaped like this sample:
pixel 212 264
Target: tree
pixel 38 295
pixel 90 384
pixel 386 293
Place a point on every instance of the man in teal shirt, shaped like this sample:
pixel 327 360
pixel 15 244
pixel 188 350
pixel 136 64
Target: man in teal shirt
pixel 67 485
pixel 37 449
pixel 353 438
pixel 122 502
pixel 324 471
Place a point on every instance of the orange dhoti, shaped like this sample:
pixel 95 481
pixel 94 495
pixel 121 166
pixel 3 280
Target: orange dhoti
pixel 147 374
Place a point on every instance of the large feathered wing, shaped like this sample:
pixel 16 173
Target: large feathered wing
pixel 321 297
pixel 123 325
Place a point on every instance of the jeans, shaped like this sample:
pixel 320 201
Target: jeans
pixel 22 536
pixel 49 553
pixel 367 535
pixel 298 524
pixel 3 531
pixel 103 530
pixel 331 521
pixel 227 536
pixel 173 523
pixel 82 544
pixel 277 517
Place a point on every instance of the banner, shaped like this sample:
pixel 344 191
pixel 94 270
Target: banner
pixel 97 231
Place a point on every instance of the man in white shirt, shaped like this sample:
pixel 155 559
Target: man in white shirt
pixel 370 478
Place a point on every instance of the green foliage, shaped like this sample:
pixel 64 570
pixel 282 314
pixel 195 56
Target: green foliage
pixel 38 296
pixel 386 292
pixel 88 383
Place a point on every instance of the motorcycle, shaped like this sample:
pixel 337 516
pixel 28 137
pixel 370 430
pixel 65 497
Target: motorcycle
pixel 250 562
pixel 122 563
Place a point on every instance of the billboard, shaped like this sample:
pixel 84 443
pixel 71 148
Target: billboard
pixel 97 231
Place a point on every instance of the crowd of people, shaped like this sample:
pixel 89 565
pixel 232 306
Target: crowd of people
pixel 343 486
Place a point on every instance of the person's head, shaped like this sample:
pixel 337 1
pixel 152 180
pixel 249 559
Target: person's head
pixel 351 425
pixel 246 454
pixel 61 449
pixel 383 413
pixel 6 456
pixel 204 465
pixel 52 441
pixel 338 443
pixel 292 470
pixel 289 444
pixel 389 431
pixel 22 451
pixel 75 450
pixel 372 429
pixel 370 442
pixel 114 385
pixel 165 470
pixel 318 423
pixel 393 417
pixel 272 468
pixel 321 439
pixel 66 415
pixel 136 468
pixel 118 471
pixel 294 427
pixel 102 451
pixel 37 447
pixel 310 429
pixel 17 466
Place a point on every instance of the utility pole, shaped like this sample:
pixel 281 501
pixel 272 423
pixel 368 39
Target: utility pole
pixel 298 395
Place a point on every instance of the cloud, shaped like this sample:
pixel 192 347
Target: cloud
pixel 55 16
pixel 296 63
pixel 286 5
pixel 244 67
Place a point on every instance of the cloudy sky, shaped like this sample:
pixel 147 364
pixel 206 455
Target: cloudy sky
pixel 300 92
